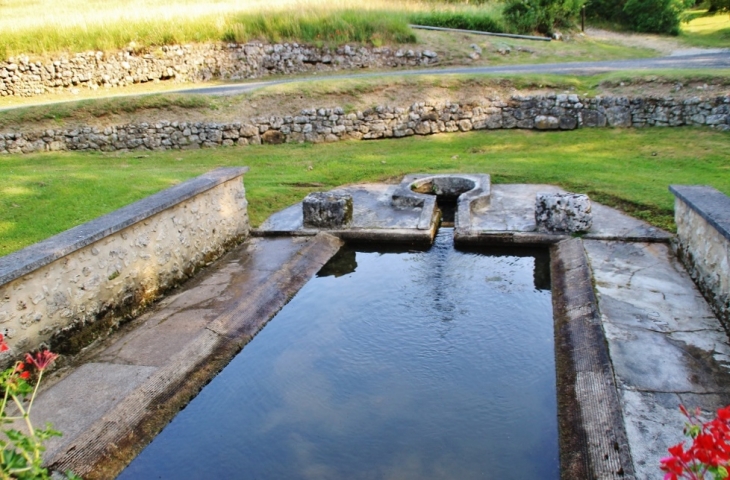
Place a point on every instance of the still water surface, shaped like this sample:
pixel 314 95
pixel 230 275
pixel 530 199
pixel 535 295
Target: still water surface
pixel 433 364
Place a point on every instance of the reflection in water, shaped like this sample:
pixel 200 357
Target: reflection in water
pixel 410 365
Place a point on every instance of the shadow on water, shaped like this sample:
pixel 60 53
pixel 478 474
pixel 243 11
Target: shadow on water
pixel 391 363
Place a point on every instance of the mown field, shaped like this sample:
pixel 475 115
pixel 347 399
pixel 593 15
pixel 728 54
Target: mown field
pixel 41 195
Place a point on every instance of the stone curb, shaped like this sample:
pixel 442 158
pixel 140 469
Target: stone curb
pixel 591 427
pixel 707 202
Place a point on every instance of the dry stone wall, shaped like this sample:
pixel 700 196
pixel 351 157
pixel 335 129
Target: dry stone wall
pixel 57 289
pixel 192 63
pixel 548 112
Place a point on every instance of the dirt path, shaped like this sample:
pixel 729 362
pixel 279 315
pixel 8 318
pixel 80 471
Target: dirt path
pixel 663 44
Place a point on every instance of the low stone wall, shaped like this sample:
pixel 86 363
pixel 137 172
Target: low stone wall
pixel 192 63
pixel 92 274
pixel 702 215
pixel 548 112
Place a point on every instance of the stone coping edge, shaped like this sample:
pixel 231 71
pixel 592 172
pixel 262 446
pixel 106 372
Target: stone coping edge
pixel 24 261
pixel 592 434
pixel 709 203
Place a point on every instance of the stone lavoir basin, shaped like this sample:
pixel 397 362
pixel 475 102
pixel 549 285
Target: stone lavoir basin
pixel 534 334
pixel 391 363
pixel 400 361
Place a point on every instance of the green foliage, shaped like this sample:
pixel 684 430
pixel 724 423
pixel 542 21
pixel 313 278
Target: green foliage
pixel 649 16
pixel 543 16
pixel 718 6
pixel 654 16
pixel 21 451
pixel 475 20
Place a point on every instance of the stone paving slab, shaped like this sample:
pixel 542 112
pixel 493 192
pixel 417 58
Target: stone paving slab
pixel 666 345
pixel 508 217
pixel 373 216
pixel 512 209
pixel 127 389
pixel 72 407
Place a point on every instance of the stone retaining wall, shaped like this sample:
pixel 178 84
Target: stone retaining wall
pixel 549 112
pixel 192 63
pixel 702 215
pixel 90 275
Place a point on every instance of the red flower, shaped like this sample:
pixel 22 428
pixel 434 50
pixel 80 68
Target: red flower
pixel 42 359
pixel 20 368
pixel 709 451
pixel 3 346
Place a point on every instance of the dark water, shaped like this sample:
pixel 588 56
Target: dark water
pixel 411 365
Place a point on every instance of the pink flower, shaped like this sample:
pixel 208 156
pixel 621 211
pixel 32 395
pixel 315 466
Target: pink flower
pixel 42 359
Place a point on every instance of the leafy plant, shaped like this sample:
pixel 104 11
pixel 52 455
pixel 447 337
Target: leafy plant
pixel 708 456
pixel 21 452
pixel 651 16
pixel 654 16
pixel 543 16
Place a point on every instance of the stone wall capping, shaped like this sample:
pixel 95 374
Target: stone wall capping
pixel 22 262
pixel 709 203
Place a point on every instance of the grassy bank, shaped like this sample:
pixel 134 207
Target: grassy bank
pixel 351 94
pixel 41 195
pixel 48 26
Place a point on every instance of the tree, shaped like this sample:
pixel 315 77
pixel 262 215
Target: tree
pixel 719 6
pixel 652 16
pixel 543 16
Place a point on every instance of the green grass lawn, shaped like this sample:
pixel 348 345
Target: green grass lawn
pixel 709 31
pixel 44 194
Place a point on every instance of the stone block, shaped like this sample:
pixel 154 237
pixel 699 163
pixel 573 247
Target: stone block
pixel 563 212
pixel 327 210
pixel 545 122
pixel 568 122
pixel 618 117
pixel 593 118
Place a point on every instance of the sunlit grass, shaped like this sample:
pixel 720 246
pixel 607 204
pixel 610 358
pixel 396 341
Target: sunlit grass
pixel 707 30
pixel 630 169
pixel 45 26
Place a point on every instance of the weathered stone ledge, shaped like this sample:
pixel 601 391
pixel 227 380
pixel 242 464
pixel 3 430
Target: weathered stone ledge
pixel 21 76
pixel 702 215
pixel 118 262
pixel 540 112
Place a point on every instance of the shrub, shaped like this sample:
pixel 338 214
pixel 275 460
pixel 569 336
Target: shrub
pixel 650 16
pixel 654 16
pixel 543 16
